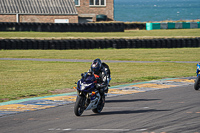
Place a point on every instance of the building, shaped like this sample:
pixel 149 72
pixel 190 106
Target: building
pixel 88 9
pixel 54 11
pixel 41 11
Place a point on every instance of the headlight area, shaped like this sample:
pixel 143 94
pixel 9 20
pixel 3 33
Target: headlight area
pixel 79 92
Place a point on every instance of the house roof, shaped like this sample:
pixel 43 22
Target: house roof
pixel 37 7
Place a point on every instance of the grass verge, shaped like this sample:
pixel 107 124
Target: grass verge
pixel 20 79
pixel 175 54
pixel 170 33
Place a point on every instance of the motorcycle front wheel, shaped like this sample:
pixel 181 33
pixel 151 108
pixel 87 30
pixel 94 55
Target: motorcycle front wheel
pixel 197 83
pixel 100 105
pixel 79 106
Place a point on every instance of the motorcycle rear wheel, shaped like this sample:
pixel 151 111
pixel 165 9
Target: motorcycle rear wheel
pixel 100 105
pixel 197 83
pixel 79 106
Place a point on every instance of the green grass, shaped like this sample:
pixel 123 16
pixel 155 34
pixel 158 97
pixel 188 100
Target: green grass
pixel 174 33
pixel 176 54
pixel 20 79
pixel 32 78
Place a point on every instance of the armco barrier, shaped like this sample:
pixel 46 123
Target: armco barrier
pixel 181 25
pixel 98 44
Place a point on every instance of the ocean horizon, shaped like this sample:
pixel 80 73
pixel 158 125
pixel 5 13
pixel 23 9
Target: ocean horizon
pixel 156 10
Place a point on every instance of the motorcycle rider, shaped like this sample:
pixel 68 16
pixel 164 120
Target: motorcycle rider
pixel 102 74
pixel 198 68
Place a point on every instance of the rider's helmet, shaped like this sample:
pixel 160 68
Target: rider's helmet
pixel 96 66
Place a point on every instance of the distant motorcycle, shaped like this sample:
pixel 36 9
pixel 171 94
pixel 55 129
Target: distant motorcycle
pixel 89 97
pixel 197 82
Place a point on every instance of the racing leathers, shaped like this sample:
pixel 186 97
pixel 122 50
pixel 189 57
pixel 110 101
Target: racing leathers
pixel 102 79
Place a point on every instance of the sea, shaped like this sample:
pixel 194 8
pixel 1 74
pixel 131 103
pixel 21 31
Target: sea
pixel 156 10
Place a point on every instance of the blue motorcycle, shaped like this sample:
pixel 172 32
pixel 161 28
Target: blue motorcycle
pixel 89 97
pixel 197 82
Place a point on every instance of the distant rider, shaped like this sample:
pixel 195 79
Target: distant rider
pixel 198 68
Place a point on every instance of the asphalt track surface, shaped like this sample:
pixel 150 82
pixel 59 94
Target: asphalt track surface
pixel 169 110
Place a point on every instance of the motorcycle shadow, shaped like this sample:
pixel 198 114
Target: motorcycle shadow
pixel 132 100
pixel 131 111
pixel 128 112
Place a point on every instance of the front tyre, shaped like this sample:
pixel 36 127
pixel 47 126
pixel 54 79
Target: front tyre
pixel 100 105
pixel 197 83
pixel 79 106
